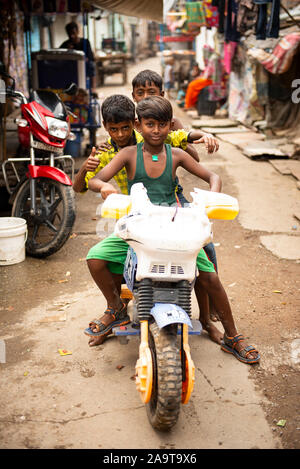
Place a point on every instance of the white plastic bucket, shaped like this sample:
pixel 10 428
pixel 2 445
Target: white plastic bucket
pixel 13 235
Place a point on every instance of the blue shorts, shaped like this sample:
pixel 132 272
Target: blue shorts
pixel 168 85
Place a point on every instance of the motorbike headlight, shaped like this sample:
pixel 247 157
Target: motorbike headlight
pixel 72 136
pixel 57 128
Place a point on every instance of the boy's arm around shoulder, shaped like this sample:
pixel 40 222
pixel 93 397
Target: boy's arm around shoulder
pixel 198 136
pixel 182 158
pixel 179 138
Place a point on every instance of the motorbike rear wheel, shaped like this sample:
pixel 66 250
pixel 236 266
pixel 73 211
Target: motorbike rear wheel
pixel 50 228
pixel 164 406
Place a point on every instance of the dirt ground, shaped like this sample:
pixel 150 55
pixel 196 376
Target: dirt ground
pixel 88 399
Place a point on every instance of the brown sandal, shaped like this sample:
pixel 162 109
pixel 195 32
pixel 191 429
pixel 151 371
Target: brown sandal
pixel 228 344
pixel 120 318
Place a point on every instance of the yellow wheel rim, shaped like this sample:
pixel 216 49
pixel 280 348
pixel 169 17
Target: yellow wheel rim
pixel 144 366
pixel 188 384
pixel 144 373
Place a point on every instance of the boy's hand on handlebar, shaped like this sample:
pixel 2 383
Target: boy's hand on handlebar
pixel 107 189
pixel 92 162
pixel 211 143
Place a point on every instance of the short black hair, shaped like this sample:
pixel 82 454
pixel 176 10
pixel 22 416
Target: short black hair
pixel 155 107
pixel 118 108
pixel 70 27
pixel 147 76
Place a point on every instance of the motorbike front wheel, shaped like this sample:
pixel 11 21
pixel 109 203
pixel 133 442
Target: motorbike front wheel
pixel 51 226
pixel 164 405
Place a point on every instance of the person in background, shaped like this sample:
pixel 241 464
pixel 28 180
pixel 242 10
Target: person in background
pixel 180 99
pixel 169 77
pixel 194 72
pixel 198 80
pixel 79 43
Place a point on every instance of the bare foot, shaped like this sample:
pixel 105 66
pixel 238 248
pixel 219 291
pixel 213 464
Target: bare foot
pixel 214 333
pixel 214 316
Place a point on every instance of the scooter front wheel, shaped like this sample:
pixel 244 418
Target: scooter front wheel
pixel 50 227
pixel 164 405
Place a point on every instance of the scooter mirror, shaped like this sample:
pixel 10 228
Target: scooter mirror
pixel 4 74
pixel 72 90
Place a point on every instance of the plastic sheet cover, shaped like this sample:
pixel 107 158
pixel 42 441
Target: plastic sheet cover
pixel 141 8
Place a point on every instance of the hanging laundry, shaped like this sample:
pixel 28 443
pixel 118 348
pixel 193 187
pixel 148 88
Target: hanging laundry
pixel 281 58
pixel 222 10
pixel 214 71
pixel 246 16
pixel 231 32
pixel 262 83
pixel 265 28
pixel 195 12
pixel 211 14
pixel 229 51
pixel 175 20
pixel 256 104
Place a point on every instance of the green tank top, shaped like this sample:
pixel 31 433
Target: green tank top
pixel 161 190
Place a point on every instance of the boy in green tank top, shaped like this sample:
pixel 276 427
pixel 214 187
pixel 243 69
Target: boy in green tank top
pixel 149 83
pixel 154 164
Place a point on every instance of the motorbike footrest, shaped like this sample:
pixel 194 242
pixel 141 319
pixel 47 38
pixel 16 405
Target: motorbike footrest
pixel 130 330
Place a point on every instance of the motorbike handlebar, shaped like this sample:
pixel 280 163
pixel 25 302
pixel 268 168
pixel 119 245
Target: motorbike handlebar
pixel 15 94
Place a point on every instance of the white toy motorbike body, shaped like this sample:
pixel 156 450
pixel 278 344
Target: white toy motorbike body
pixel 160 271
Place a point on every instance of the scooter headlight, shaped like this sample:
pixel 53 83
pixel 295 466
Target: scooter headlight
pixel 57 128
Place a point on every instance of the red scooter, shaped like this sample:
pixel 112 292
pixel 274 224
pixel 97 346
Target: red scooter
pixel 43 194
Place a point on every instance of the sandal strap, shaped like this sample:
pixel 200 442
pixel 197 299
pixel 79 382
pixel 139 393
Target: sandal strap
pixel 98 323
pixel 245 351
pixel 233 341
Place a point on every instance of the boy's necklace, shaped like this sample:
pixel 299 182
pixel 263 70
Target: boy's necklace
pixel 154 157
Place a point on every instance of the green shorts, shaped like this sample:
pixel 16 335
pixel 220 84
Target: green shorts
pixel 114 250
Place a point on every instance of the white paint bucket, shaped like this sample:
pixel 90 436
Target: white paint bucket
pixel 13 235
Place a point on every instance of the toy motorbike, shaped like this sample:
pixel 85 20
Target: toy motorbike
pixel 43 195
pixel 159 272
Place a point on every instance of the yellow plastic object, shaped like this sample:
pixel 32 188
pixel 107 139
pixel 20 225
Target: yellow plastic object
pixel 220 206
pixel 144 366
pixel 126 294
pixel 116 206
pixel 188 384
pixel 217 204
pixel 222 212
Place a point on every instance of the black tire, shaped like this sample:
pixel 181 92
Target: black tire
pixel 51 227
pixel 164 406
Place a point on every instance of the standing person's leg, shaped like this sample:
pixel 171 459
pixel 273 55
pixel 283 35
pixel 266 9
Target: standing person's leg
pixel 211 253
pixel 232 341
pixel 203 301
pixel 210 282
pixel 207 313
